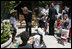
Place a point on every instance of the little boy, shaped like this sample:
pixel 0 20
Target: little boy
pixel 13 23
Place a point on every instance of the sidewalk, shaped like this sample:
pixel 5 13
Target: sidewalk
pixel 50 41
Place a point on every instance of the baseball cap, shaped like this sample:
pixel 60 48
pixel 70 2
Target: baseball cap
pixel 13 11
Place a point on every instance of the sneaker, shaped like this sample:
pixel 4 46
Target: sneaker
pixel 14 41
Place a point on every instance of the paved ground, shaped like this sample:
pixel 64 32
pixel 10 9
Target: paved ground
pixel 50 41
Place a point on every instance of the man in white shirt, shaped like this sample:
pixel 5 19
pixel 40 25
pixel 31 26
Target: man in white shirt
pixel 45 12
pixel 37 40
pixel 41 31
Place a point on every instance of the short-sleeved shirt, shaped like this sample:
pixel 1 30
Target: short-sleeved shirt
pixel 13 21
pixel 45 11
pixel 37 41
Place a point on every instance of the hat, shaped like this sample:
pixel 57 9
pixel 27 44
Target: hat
pixel 12 11
pixel 24 9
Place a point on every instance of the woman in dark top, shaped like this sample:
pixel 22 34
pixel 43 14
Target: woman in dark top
pixel 28 19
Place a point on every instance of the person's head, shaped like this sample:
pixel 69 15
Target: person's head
pixel 65 16
pixel 36 11
pixel 43 28
pixel 24 37
pixel 13 12
pixel 46 6
pixel 65 8
pixel 52 4
pixel 21 16
pixel 59 17
pixel 31 40
pixel 25 10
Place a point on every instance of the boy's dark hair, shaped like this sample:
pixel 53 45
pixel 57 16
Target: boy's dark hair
pixel 13 14
pixel 24 36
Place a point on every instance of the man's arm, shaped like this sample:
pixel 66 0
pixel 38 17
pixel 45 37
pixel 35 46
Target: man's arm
pixel 49 13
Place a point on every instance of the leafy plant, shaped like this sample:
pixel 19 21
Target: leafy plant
pixel 5 32
pixel 6 6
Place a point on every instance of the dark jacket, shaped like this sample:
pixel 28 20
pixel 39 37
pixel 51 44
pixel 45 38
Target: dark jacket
pixel 52 13
pixel 28 17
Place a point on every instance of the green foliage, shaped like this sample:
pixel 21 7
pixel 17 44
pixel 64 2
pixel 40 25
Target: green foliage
pixel 42 3
pixel 5 31
pixel 6 6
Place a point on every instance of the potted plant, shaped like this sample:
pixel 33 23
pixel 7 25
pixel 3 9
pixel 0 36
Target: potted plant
pixel 5 35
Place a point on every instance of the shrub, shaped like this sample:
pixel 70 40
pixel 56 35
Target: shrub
pixel 5 32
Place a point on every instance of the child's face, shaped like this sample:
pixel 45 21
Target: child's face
pixel 14 14
pixel 31 40
pixel 25 12
pixel 65 17
pixel 65 8
pixel 46 6
pixel 21 15
pixel 43 29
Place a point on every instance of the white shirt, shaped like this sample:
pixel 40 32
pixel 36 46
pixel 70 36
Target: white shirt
pixel 45 11
pixel 13 21
pixel 37 41
pixel 41 31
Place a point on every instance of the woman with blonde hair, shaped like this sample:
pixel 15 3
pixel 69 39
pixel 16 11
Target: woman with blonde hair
pixel 28 19
pixel 66 21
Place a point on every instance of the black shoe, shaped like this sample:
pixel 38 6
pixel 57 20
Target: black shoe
pixel 51 34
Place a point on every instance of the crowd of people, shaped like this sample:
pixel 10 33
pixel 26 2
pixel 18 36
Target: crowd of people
pixel 46 15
